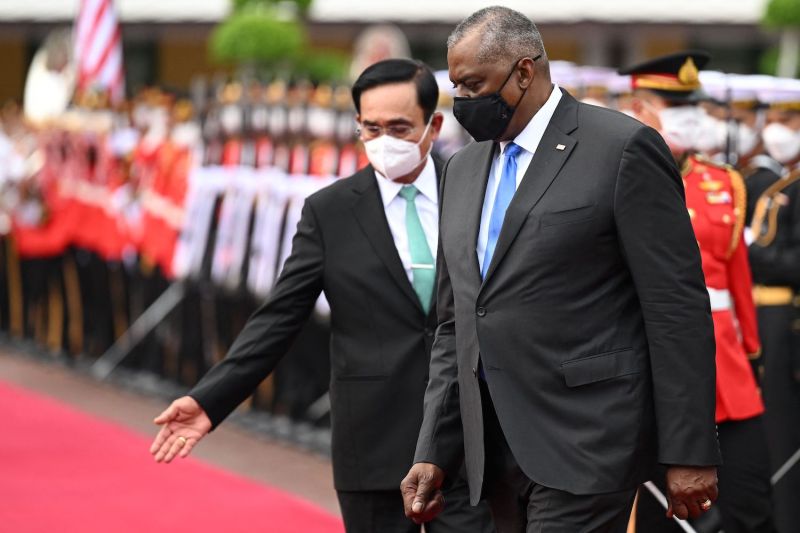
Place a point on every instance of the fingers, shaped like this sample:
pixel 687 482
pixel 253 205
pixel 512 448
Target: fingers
pixel 176 443
pixel 422 499
pixel 160 439
pixel 163 450
pixel 423 494
pixel 408 489
pixel 690 491
pixel 680 511
pixel 434 506
pixel 713 492
pixel 694 508
pixel 187 448
pixel 684 508
pixel 169 414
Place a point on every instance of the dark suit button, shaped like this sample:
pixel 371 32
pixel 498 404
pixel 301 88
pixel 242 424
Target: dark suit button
pixel 428 332
pixel 481 311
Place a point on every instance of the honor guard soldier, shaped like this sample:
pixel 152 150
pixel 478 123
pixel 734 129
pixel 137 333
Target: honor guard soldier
pixel 748 115
pixel 351 152
pixel 260 126
pixel 323 152
pixel 775 259
pixel 232 121
pixel 666 93
pixel 278 124
pixel 298 99
pixel 712 138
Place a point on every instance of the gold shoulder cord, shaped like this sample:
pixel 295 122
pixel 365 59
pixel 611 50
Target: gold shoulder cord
pixel 767 209
pixel 739 207
pixel 686 166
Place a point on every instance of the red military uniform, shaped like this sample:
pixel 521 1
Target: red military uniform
pixel 716 200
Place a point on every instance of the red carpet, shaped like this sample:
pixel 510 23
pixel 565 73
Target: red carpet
pixel 63 471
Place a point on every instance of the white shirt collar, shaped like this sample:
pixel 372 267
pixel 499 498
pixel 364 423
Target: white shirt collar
pixel 531 136
pixel 425 183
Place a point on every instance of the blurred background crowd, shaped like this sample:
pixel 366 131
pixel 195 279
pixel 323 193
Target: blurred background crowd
pixel 154 156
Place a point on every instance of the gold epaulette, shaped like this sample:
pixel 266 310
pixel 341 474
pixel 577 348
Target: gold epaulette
pixel 766 210
pixel 739 207
pixel 700 158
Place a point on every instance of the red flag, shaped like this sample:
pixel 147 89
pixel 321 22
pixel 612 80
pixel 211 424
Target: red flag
pixel 98 48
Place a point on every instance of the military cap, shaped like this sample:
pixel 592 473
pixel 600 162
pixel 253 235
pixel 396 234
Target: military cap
pixel 783 93
pixel 675 77
pixel 745 89
pixel 716 85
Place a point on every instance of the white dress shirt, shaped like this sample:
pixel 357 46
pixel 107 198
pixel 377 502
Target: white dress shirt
pixel 427 203
pixel 528 140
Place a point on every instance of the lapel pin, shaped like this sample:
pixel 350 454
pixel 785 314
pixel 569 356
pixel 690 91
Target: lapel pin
pixel 560 147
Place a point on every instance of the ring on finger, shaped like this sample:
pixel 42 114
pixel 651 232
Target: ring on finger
pixel 705 505
pixel 182 440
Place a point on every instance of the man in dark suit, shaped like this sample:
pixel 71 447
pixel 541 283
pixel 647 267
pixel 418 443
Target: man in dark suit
pixel 367 241
pixel 575 347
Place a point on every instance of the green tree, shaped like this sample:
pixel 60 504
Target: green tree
pixel 785 15
pixel 301 5
pixel 269 35
pixel 258 37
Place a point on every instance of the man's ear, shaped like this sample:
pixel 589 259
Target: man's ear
pixel 527 71
pixel 436 125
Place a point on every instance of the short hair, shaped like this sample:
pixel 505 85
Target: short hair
pixel 391 71
pixel 507 34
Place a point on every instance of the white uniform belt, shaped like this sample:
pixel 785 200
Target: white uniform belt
pixel 720 299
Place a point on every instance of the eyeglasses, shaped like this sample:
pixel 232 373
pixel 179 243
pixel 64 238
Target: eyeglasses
pixel 373 131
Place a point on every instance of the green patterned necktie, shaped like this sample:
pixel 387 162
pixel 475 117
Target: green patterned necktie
pixel 422 262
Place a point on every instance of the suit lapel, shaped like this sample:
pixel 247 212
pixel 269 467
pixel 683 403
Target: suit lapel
pixel 475 193
pixel 371 217
pixel 543 169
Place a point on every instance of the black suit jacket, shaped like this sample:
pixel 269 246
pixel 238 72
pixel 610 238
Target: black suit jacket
pixel 593 322
pixel 380 336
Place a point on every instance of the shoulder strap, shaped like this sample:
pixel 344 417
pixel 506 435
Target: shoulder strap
pixel 765 161
pixel 766 206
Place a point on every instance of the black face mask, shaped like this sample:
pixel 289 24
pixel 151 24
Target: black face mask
pixel 487 117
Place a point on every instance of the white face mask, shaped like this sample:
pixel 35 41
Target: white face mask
pixel 746 139
pixel 680 127
pixel 395 158
pixel 711 135
pixel 782 142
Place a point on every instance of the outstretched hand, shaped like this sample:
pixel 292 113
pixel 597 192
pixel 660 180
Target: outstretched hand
pixel 183 424
pixel 421 490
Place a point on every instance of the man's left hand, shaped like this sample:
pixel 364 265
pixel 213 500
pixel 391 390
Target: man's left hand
pixel 690 490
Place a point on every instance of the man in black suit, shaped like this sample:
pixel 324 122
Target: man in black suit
pixel 575 347
pixel 367 241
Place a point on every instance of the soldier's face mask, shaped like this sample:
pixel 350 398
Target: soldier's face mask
pixel 680 127
pixel 781 142
pixel 486 118
pixel 712 134
pixel 396 158
pixel 747 139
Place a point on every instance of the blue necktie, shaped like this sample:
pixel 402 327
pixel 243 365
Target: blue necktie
pixel 505 192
